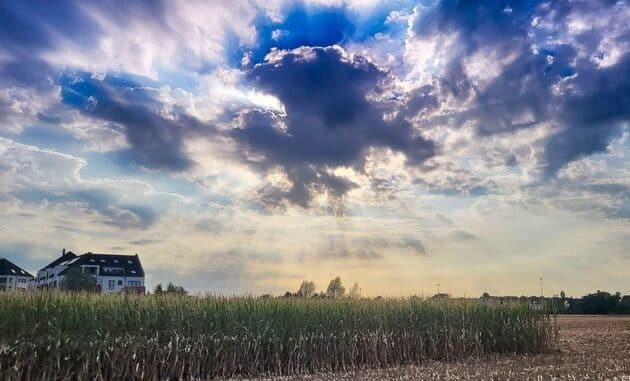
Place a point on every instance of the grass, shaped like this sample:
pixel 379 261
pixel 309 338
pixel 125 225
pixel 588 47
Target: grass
pixel 78 336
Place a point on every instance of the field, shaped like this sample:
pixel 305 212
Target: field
pixel 50 335
pixel 590 348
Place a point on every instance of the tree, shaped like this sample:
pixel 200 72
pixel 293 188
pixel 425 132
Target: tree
pixel 335 288
pixel 599 303
pixel 158 289
pixel 171 289
pixel 75 280
pixel 624 305
pixel 307 289
pixel 485 295
pixel 563 295
pixel 175 290
pixel 355 291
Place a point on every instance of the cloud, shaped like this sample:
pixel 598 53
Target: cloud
pixel 38 176
pixel 341 246
pixel 145 241
pixel 513 66
pixel 154 134
pixel 593 112
pixel 329 122
pixel 462 235
pixel 96 200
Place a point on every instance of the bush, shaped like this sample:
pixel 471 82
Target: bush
pixel 599 303
pixel 75 280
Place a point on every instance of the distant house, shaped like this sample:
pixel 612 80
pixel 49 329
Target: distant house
pixel 113 273
pixel 12 277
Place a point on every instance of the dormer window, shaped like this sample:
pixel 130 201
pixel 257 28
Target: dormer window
pixel 92 270
pixel 92 260
pixel 130 262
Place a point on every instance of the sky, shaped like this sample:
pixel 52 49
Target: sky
pixel 244 146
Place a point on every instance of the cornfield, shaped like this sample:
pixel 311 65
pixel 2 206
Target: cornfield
pixel 80 336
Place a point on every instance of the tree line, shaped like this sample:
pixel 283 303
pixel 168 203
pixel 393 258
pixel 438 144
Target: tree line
pixel 598 303
pixel 335 289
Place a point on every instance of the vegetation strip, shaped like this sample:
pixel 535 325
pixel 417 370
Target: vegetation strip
pixel 57 336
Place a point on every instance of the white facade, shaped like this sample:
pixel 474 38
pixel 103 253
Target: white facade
pixel 49 278
pixel 113 274
pixel 14 282
pixel 12 277
pixel 117 284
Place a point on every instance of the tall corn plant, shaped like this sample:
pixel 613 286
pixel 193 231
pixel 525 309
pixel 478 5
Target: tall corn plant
pixel 86 336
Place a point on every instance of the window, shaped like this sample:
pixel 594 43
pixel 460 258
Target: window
pixel 133 271
pixel 120 282
pixel 3 279
pixel 111 284
pixel 10 280
pixel 134 283
pixel 21 280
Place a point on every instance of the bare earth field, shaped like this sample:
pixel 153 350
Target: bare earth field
pixel 590 348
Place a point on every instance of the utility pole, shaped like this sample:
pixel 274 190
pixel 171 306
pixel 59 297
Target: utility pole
pixel 541 287
pixel 438 288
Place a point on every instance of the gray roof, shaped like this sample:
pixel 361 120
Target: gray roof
pixel 109 264
pixel 64 258
pixel 8 268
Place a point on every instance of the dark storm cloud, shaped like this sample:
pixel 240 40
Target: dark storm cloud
pixel 547 81
pixel 591 114
pixel 499 25
pixel 31 29
pixel 156 139
pixel 28 29
pixel 329 121
pixel 479 24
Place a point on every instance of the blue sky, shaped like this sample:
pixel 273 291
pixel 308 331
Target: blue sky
pixel 245 146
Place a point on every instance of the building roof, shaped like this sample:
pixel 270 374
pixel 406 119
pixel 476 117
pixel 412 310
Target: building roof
pixel 8 268
pixel 109 264
pixel 65 257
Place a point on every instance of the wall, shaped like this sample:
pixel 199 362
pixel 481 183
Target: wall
pixel 117 288
pixel 14 283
